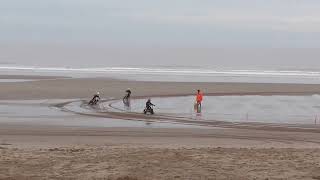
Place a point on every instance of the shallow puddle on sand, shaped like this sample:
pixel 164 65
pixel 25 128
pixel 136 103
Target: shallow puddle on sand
pixel 262 109
pixel 41 112
pixel 249 108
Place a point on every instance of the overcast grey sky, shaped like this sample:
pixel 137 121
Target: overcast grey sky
pixel 168 23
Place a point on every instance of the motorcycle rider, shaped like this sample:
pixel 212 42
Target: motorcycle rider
pixel 96 98
pixel 126 98
pixel 149 105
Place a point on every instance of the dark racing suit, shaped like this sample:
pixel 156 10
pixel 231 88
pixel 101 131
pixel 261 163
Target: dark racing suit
pixel 127 96
pixel 95 98
pixel 149 105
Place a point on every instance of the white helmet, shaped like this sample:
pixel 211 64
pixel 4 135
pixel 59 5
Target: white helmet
pixel 98 93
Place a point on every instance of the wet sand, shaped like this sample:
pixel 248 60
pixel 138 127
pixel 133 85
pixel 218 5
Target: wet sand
pixel 31 151
pixel 84 88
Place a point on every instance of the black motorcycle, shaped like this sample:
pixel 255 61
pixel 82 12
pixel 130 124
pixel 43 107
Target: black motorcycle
pixel 93 101
pixel 126 102
pixel 148 110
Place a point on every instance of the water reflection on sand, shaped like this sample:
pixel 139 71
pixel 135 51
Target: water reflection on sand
pixel 249 108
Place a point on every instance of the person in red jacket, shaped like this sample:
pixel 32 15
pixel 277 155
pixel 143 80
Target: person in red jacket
pixel 199 98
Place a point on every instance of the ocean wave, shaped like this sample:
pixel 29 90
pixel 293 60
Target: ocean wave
pixel 168 71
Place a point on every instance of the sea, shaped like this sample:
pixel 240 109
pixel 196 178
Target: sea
pixel 279 65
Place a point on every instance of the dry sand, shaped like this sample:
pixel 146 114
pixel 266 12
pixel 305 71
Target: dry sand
pixel 62 152
pixel 125 162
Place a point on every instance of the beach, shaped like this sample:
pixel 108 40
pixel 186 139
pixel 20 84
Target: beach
pixel 76 146
pixel 66 66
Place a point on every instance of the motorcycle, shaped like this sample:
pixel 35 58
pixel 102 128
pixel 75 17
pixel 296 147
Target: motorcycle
pixel 148 110
pixel 126 102
pixel 93 101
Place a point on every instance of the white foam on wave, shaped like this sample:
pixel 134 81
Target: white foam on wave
pixel 168 71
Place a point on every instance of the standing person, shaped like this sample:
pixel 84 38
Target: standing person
pixel 199 98
pixel 126 98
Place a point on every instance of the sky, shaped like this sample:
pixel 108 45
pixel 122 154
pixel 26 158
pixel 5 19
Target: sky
pixel 163 23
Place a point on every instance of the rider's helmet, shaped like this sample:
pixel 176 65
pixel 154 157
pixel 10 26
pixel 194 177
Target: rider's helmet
pixel 98 93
